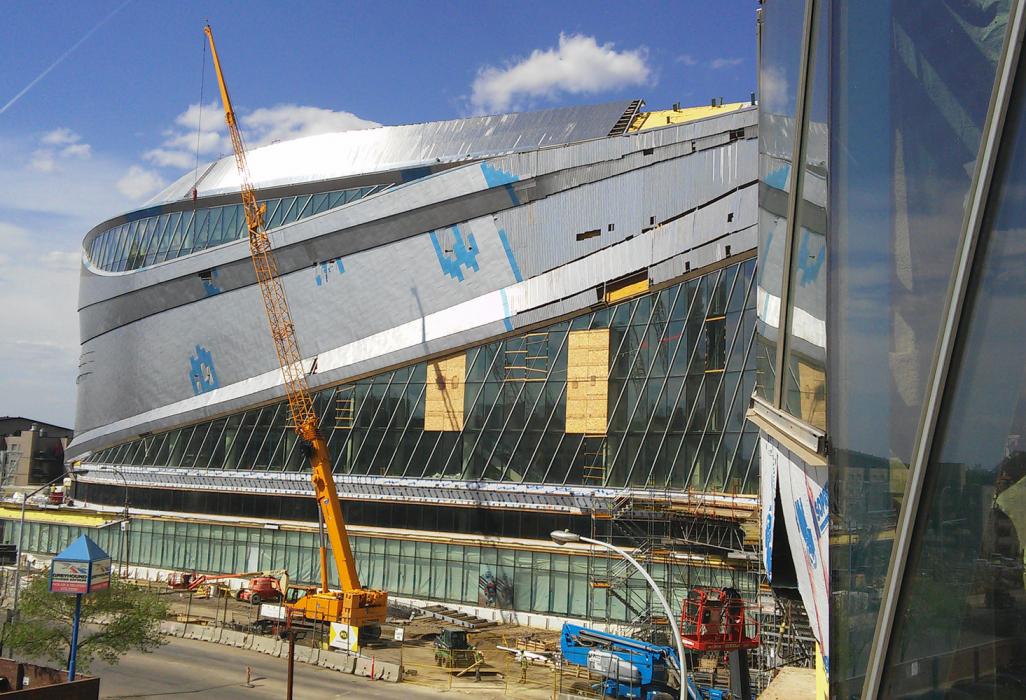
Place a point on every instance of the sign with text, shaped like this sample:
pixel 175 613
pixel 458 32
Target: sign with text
pixel 344 637
pixel 81 568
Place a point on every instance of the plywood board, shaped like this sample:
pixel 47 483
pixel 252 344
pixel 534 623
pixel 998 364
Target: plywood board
pixel 443 397
pixel 587 376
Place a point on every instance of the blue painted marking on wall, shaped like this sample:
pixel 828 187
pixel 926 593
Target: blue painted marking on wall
pixel 506 314
pixel 807 536
pixel 504 239
pixel 768 546
pixel 411 174
pixel 464 254
pixel 323 271
pixel 208 284
pixel 500 178
pixel 202 374
pixel 809 262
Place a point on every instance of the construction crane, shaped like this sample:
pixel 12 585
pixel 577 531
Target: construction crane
pixel 353 605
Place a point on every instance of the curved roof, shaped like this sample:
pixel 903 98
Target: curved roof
pixel 389 148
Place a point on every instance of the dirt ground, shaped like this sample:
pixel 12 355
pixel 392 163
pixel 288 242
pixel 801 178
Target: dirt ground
pixel 501 675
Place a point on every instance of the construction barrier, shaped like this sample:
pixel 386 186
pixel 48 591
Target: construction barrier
pixel 366 666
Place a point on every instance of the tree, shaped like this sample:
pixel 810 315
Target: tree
pixel 115 621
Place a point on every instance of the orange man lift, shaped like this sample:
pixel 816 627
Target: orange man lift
pixel 353 605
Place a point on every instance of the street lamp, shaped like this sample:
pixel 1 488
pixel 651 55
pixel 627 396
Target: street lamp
pixel 562 537
pixel 21 532
pixel 123 537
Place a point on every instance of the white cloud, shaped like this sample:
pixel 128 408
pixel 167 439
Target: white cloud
pixel 77 150
pixel 773 89
pixel 57 145
pixel 282 122
pixel 687 59
pixel 204 130
pixel 60 137
pixel 578 66
pixel 718 63
pixel 43 161
pixel 139 182
pixel 167 158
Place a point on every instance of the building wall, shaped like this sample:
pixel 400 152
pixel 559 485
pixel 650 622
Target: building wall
pixel 482 250
pixel 505 573
pixel 668 378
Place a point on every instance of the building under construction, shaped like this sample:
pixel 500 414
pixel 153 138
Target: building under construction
pixel 513 324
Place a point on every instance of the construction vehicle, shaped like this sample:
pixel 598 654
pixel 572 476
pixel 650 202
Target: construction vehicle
pixel 353 605
pixel 454 650
pixel 260 586
pixel 261 589
pixel 630 668
pixel 715 620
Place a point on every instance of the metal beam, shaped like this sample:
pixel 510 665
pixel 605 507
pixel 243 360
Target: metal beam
pixel 941 369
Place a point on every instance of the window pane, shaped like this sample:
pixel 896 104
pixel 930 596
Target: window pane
pixel 964 596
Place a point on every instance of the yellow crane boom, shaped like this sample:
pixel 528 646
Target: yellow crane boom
pixel 355 604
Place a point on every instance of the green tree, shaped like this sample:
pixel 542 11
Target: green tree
pixel 115 621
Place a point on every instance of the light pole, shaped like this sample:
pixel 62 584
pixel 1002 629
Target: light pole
pixel 123 538
pixel 21 533
pixel 562 537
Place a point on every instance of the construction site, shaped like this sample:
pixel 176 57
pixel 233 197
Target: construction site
pixel 526 470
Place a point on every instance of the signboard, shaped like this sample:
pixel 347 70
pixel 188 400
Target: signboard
pixel 81 568
pixel 272 612
pixel 400 633
pixel 344 637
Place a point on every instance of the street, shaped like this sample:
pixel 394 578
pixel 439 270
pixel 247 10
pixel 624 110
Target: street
pixel 201 670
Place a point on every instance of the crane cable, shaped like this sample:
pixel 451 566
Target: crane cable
pixel 199 124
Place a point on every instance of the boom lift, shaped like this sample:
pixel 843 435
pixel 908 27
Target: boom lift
pixel 353 605
pixel 630 668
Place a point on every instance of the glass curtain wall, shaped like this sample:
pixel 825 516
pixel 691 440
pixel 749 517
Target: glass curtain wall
pixel 513 578
pixel 679 376
pixel 907 102
pixel 965 581
pixel 156 239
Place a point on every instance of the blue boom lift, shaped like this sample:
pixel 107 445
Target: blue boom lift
pixel 630 668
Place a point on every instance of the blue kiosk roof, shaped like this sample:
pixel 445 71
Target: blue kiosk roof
pixel 82 549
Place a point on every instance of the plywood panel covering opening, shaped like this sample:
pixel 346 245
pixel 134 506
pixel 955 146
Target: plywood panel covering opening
pixel 587 374
pixel 443 397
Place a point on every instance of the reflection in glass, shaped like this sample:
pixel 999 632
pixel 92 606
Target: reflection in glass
pixel 779 64
pixel 908 99
pixel 965 581
pixel 805 352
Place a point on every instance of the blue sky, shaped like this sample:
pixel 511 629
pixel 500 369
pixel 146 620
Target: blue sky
pixel 114 120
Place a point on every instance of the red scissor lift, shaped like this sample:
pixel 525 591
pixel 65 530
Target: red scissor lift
pixel 714 619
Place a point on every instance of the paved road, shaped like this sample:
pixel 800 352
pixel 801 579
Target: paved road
pixel 193 670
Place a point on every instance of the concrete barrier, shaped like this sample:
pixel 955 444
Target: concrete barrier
pixel 363 666
pixel 391 673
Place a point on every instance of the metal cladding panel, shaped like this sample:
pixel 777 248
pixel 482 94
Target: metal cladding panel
pixel 336 155
pixel 425 294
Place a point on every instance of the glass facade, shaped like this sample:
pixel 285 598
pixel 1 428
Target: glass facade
pixel 511 577
pixel 897 98
pixel 673 415
pixel 908 104
pixel 780 63
pixel 155 239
